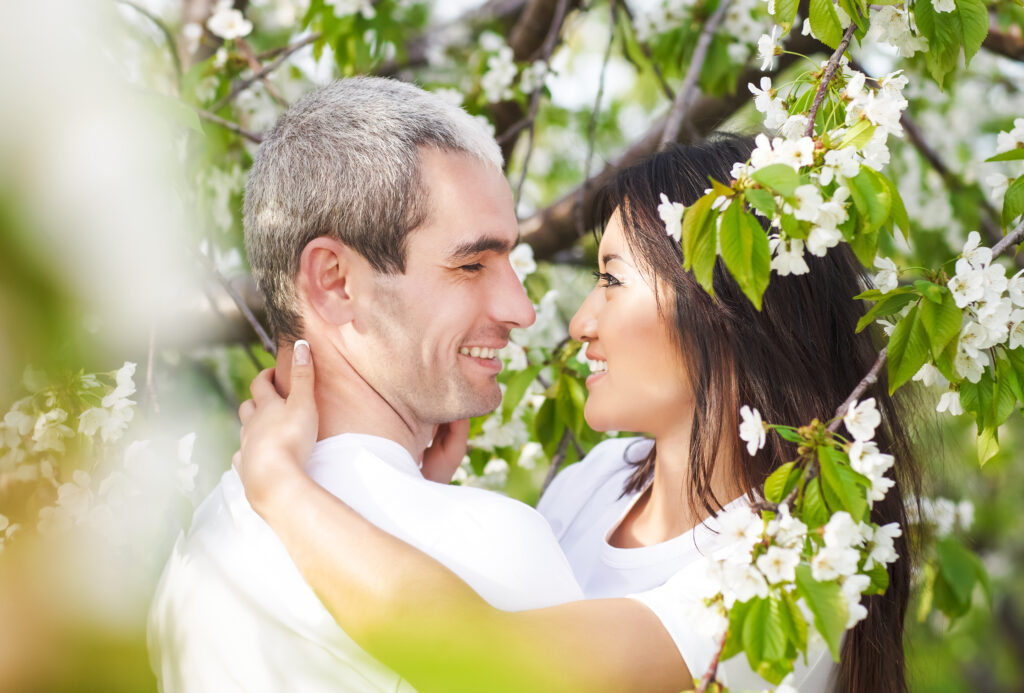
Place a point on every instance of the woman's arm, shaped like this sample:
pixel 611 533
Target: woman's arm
pixel 411 612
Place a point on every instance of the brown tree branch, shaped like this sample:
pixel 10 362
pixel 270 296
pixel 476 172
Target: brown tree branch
pixel 227 124
pixel 285 53
pixel 265 339
pixel 830 70
pixel 687 92
pixel 1008 44
pixel 709 675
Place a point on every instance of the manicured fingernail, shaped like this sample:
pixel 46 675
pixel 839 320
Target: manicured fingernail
pixel 300 353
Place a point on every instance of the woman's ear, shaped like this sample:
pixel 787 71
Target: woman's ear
pixel 326 278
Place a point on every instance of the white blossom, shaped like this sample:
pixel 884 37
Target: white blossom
pixel 671 214
pixel 768 47
pixel 882 546
pixel 862 419
pixel 752 429
pixel 1015 286
pixel 842 531
pixel 786 530
pixel 228 23
pixel 49 431
pixel 522 261
pixel 821 238
pixel 832 562
pixel 965 514
pixel 788 256
pixel 533 77
pixel 852 588
pixel 501 70
pixel 950 401
pixel 887 278
pixel 779 564
pixel 744 581
pixel 1014 139
pixel 808 200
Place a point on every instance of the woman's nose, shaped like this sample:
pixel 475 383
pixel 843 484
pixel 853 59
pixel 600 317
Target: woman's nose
pixel 583 326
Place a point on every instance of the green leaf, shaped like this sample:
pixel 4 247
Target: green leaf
pixel 830 474
pixel 957 567
pixel 871 196
pixel 785 12
pixel 516 387
pixel 825 23
pixel 879 579
pixel 858 135
pixel 1013 203
pixel 762 200
pixel 974 25
pixel 546 427
pixel 788 433
pixel 566 409
pixel 815 514
pixel 1012 155
pixel 930 290
pixel 778 177
pixel 891 302
pixel 793 621
pixel 734 640
pixel 988 445
pixel 745 251
pixel 763 636
pixel 941 320
pixel 775 484
pixel 908 349
pixel 828 605
pixel 698 230
pixel 899 210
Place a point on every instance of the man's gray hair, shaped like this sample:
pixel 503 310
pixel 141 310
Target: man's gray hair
pixel 343 162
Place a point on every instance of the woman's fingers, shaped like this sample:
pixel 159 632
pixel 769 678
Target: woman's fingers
pixel 245 411
pixel 262 387
pixel 301 392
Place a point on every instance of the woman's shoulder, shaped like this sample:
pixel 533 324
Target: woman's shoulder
pixel 607 465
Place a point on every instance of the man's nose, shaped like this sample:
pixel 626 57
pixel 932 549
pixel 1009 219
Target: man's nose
pixel 583 326
pixel 513 306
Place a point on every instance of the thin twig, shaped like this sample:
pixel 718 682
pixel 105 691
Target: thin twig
pixel 171 46
pixel 646 50
pixel 227 124
pixel 592 125
pixel 268 344
pixel 557 460
pixel 285 53
pixel 254 64
pixel 830 70
pixel 547 48
pixel 709 675
pixel 684 97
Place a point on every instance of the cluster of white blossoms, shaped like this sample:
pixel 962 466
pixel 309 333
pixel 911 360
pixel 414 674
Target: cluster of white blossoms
pixel 743 24
pixel 1006 141
pixel 89 413
pixel 993 308
pixel 891 24
pixel 943 514
pixel 227 22
pixel 759 555
pixel 501 68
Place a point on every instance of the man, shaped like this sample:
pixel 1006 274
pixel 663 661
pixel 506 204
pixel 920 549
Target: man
pixel 378 225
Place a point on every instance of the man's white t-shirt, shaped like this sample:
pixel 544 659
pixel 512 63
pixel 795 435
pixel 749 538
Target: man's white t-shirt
pixel 585 504
pixel 232 612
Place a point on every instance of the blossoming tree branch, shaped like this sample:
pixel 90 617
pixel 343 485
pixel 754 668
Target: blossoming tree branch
pixel 877 142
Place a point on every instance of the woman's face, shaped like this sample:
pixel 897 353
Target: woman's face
pixel 638 381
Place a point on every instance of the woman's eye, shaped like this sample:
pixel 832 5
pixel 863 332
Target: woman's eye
pixel 475 267
pixel 608 279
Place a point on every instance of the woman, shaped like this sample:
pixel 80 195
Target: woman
pixel 673 362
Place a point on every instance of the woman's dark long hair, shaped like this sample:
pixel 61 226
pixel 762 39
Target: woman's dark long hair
pixel 795 360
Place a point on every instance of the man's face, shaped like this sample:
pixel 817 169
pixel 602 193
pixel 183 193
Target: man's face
pixel 432 333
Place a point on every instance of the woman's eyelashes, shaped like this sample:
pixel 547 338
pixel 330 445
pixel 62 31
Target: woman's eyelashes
pixel 608 279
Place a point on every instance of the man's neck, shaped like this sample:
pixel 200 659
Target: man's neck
pixel 348 404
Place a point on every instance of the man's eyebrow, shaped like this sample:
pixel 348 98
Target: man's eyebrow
pixel 480 245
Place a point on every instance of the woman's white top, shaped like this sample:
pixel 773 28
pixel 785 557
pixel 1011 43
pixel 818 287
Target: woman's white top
pixel 586 503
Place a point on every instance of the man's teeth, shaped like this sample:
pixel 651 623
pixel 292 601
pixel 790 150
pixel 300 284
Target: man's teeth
pixel 479 352
pixel 597 366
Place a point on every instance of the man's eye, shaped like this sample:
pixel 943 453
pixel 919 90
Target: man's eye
pixel 475 267
pixel 608 279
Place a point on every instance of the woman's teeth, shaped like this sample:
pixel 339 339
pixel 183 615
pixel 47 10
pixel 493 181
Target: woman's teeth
pixel 479 352
pixel 597 366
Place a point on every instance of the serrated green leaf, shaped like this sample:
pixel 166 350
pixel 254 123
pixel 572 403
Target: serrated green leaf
pixel 745 252
pixel 694 219
pixel 775 484
pixel 941 320
pixel 825 23
pixel 871 196
pixel 974 26
pixel 778 177
pixel 795 618
pixel 762 200
pixel 988 445
pixel 957 567
pixel 908 349
pixel 858 135
pixel 828 605
pixel 814 512
pixel 734 640
pixel 930 290
pixel 785 12
pixel 1013 203
pixel 879 579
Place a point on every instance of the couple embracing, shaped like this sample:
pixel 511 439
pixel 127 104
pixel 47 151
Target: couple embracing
pixel 335 556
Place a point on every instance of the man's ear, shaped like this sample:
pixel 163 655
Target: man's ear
pixel 329 270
